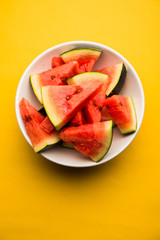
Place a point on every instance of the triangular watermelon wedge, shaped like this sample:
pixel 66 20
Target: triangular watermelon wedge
pixel 122 111
pixel 77 120
pixel 32 119
pixel 47 125
pixel 93 140
pixel 57 61
pixel 62 102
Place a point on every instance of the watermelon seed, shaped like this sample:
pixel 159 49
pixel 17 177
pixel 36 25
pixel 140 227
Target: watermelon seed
pixel 78 91
pixel 52 77
pixel 100 108
pixel 94 104
pixel 120 103
pixel 28 118
pixel 108 106
pixel 64 79
pixel 68 97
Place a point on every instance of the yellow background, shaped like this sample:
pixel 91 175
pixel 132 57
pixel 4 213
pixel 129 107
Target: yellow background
pixel 119 200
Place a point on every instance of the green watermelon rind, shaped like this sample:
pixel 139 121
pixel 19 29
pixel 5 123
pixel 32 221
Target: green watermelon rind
pixel 47 109
pixel 80 53
pixel 108 129
pixel 79 78
pixel 67 145
pixel 36 85
pixel 47 143
pixel 132 127
pixel 118 80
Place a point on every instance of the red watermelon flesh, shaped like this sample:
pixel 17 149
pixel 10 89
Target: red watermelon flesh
pixel 58 75
pixel 122 111
pixel 117 108
pixel 28 112
pixel 92 110
pixel 92 140
pixel 105 115
pixel 54 76
pixel 77 120
pixel 62 102
pixel 86 65
pixel 57 61
pixel 116 78
pixel 47 125
pixel 32 119
pixel 110 71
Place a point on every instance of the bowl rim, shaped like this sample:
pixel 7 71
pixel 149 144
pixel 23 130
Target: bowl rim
pixel 92 44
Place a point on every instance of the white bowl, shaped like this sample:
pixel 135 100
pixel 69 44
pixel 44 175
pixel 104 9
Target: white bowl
pixel 132 88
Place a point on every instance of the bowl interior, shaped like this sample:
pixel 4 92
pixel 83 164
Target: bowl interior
pixel 131 88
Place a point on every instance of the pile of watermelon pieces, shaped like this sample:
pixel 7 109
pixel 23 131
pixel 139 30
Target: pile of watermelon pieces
pixel 80 106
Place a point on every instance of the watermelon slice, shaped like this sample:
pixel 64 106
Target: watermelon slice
pixel 47 125
pixel 28 112
pixel 62 102
pixel 57 61
pixel 116 78
pixel 92 109
pixel 54 76
pixel 77 120
pixel 87 76
pixel 106 117
pixel 92 112
pixel 86 58
pixel 122 111
pixel 93 140
pixel 32 119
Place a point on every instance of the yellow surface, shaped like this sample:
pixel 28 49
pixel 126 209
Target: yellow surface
pixel 119 200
